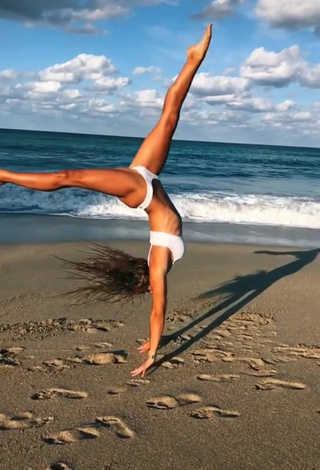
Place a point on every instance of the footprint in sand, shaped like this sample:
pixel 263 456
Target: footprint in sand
pixel 36 369
pixel 59 466
pixel 261 373
pixel 8 357
pixel 23 420
pixel 116 425
pixel 106 358
pixel 103 345
pixel 208 412
pixel 271 384
pixel 280 359
pixel 178 317
pixel 218 378
pixel 302 351
pixel 88 325
pixel 70 436
pixel 56 364
pixel 253 362
pixel 116 390
pixel 118 357
pixel 212 355
pixel 138 382
pixel 59 392
pixel 174 363
pixel 169 402
pixel 132 382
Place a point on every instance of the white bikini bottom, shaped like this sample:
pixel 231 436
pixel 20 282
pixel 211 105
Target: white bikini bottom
pixel 175 244
pixel 148 176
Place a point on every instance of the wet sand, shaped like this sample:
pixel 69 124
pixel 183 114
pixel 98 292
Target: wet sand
pixel 236 386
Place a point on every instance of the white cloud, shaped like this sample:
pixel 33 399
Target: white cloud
pixel 72 94
pixel 207 84
pixel 290 14
pixel 148 99
pixel 255 105
pixel 271 68
pixel 311 77
pixel 106 10
pixel 292 120
pixel 82 67
pixel 101 106
pixel 71 91
pixel 148 70
pixel 218 9
pixel 8 74
pixel 53 90
pixel 45 87
pixel 107 84
pixel 279 69
pixel 258 105
pixel 219 99
pixel 285 105
pixel 74 16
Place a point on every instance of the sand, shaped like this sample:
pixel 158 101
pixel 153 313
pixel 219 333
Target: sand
pixel 237 388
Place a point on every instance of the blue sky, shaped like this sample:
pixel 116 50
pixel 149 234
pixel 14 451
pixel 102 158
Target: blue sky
pixel 103 66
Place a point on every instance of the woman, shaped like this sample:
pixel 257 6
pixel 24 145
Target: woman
pixel 115 273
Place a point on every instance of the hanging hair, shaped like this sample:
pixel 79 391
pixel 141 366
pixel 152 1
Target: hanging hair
pixel 111 275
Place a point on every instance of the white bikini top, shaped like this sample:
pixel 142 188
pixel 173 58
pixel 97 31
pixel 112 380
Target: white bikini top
pixel 175 243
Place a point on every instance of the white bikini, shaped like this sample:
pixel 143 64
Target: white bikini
pixel 175 243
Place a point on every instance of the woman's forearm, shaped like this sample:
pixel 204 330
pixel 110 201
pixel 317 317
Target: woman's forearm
pixel 156 329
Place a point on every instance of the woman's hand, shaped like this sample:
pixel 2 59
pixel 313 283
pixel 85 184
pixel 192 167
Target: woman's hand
pixel 142 369
pixel 144 347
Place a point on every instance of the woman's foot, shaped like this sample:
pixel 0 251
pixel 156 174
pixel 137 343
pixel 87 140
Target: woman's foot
pixel 198 52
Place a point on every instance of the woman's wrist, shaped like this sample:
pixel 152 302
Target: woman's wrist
pixel 152 355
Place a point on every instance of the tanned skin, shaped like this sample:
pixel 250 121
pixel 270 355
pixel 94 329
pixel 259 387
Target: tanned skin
pixel 130 187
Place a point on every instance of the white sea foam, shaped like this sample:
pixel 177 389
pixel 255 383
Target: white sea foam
pixel 206 207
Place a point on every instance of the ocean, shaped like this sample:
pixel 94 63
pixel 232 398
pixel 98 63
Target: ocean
pixel 224 192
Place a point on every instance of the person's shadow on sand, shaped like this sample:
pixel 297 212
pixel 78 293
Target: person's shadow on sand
pixel 237 293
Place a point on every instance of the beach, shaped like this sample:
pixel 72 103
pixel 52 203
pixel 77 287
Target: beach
pixel 122 130
pixel 235 385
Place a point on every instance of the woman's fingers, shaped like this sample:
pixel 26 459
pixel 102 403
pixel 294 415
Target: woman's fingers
pixel 144 347
pixel 142 369
pixel 136 372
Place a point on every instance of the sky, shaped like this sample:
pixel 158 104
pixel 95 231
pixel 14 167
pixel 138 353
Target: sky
pixel 104 66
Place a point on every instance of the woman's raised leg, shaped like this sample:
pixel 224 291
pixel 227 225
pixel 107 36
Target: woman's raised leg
pixel 115 182
pixel 155 148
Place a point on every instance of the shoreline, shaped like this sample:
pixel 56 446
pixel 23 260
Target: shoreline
pixel 48 228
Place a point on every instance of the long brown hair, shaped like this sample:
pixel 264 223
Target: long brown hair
pixel 112 275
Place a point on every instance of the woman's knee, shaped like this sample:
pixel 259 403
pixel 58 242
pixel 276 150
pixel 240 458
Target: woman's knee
pixel 65 178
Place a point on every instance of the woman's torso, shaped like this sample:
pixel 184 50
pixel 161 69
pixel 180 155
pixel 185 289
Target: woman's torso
pixel 163 215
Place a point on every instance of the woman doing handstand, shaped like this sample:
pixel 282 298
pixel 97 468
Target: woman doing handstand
pixel 115 273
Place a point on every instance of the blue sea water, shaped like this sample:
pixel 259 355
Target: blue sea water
pixel 224 192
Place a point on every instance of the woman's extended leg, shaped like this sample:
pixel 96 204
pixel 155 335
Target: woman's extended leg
pixel 115 182
pixel 155 148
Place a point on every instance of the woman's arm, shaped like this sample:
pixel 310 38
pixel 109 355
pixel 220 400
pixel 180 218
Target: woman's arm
pixel 160 264
pixel 158 282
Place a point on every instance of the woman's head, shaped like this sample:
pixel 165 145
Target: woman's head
pixel 112 275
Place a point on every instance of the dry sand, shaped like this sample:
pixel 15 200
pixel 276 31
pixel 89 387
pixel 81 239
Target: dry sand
pixel 237 389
